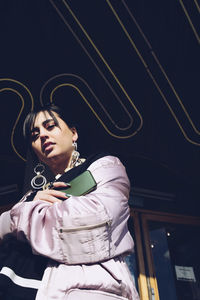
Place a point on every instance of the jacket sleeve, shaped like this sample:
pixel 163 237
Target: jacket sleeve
pixel 5 220
pixel 5 224
pixel 83 229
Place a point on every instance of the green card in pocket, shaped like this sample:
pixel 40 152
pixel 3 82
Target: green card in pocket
pixel 81 185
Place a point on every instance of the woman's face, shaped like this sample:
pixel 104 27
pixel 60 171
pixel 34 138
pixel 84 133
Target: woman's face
pixel 50 142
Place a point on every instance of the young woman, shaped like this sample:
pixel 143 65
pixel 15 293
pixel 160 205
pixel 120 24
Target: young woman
pixel 82 239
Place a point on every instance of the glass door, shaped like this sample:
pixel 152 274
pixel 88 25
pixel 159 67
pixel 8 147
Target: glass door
pixel 171 246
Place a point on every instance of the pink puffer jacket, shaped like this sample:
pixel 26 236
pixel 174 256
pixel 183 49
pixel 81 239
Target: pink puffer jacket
pixel 85 238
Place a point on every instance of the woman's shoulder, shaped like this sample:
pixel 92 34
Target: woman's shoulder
pixel 104 160
pixel 109 168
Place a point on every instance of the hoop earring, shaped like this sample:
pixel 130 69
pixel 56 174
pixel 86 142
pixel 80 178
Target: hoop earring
pixel 39 180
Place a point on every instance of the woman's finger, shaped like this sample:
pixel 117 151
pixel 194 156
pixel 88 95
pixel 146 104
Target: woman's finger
pixel 61 184
pixel 49 198
pixel 57 194
pixel 50 195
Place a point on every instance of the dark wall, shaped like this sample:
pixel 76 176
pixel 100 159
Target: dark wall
pixel 126 71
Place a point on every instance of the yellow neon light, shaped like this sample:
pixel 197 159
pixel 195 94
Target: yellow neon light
pixel 22 107
pixel 86 101
pixel 100 55
pixel 189 20
pixel 152 77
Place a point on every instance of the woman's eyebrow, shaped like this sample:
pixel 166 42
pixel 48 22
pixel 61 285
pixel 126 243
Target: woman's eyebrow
pixel 43 123
pixel 47 121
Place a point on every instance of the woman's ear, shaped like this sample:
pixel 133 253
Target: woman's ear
pixel 74 134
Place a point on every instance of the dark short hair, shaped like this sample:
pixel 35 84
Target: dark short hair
pixel 30 119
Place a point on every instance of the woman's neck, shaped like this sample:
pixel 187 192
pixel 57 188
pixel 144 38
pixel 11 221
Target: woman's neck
pixel 59 166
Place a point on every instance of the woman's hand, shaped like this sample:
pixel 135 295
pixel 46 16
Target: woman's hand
pixel 50 195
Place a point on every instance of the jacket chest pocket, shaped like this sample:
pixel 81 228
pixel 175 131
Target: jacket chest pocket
pixel 91 295
pixel 87 243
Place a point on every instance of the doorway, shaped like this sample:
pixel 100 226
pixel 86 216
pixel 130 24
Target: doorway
pixel 167 255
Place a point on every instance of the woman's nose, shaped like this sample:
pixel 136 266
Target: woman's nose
pixel 43 133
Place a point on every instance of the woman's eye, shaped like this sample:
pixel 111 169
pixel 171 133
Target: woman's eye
pixel 50 126
pixel 34 137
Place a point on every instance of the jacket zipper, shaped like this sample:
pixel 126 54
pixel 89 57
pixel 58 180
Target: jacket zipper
pixel 85 227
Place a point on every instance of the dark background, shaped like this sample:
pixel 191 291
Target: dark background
pixel 126 71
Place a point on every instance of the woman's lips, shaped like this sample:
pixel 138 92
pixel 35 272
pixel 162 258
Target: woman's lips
pixel 48 147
